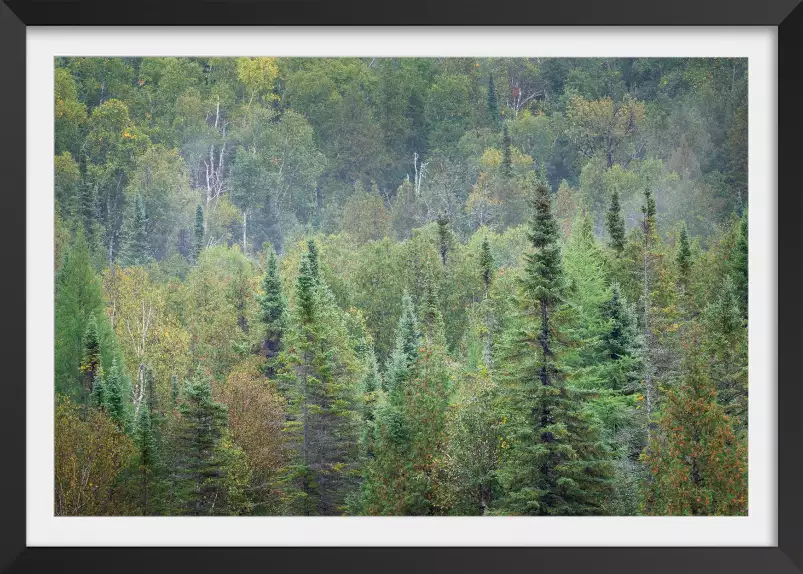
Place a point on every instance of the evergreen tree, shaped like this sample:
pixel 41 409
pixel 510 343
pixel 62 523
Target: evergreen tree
pixel 615 224
pixel 78 297
pixel 697 463
pixel 319 380
pixel 725 349
pixel 91 360
pixel 273 309
pixel 136 250
pixel 444 237
pixel 313 258
pixel 683 257
pixel 392 486
pixel 486 265
pixel 198 244
pixel 507 158
pixel 147 460
pixel 649 238
pixel 554 461
pixel 115 392
pixel 493 102
pixel 199 467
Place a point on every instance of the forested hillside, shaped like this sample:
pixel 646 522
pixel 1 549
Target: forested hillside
pixel 400 286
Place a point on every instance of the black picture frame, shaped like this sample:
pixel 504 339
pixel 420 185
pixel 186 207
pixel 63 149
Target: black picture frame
pixel 787 15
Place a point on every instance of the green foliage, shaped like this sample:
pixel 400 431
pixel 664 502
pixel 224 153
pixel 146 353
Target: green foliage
pixel 615 224
pixel 278 247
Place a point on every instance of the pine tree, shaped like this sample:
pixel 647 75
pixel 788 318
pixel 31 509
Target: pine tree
pixel 615 224
pixel 136 248
pixel 444 237
pixel 199 468
pixel 493 102
pixel 273 309
pixel 91 360
pixel 683 258
pixel 554 460
pixel 199 233
pixel 507 158
pixel 697 463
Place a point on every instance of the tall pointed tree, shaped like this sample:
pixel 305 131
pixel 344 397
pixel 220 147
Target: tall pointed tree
pixel 444 237
pixel 554 460
pixel 198 243
pixel 91 360
pixel 136 250
pixel 273 309
pixel 615 224
pixel 683 257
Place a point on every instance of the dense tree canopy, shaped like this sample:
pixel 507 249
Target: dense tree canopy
pixel 400 286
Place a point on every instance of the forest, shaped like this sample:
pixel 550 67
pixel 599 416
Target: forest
pixel 400 286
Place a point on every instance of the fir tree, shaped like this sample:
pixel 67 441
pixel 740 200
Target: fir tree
pixel 313 258
pixel 273 309
pixel 493 102
pixel 319 376
pixel 486 265
pixel 683 257
pixel 405 351
pixel 649 238
pixel 507 158
pixel 116 387
pixel 615 224
pixel 725 349
pixel 555 462
pixel 91 360
pixel 697 463
pixel 147 459
pixel 199 467
pixel 444 237
pixel 198 244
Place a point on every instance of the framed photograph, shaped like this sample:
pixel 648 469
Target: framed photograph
pixel 473 287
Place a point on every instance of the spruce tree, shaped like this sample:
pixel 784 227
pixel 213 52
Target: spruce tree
pixel 649 238
pixel 554 460
pixel 319 379
pixel 199 467
pixel 697 464
pixel 273 310
pixel 147 460
pixel 683 257
pixel 615 224
pixel 91 360
pixel 313 258
pixel 392 486
pixel 493 102
pixel 444 237
pixel 198 244
pixel 486 265
pixel 507 158
pixel 725 350
pixel 116 387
